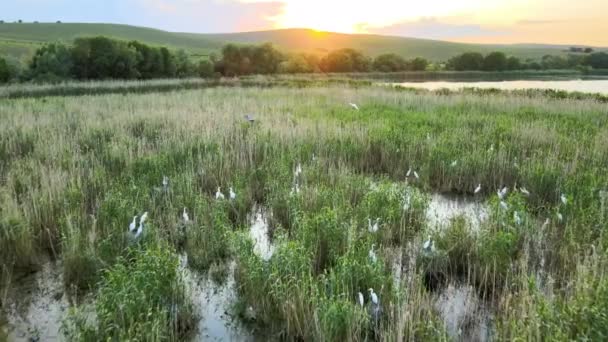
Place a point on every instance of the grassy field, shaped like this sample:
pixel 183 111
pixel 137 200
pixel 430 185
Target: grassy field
pixel 22 39
pixel 75 170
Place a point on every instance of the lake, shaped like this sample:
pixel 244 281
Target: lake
pixel 584 86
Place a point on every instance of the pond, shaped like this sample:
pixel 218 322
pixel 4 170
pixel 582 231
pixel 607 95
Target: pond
pixel 584 86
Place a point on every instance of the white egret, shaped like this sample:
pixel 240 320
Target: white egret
pixel 373 228
pixel 250 118
pixel 546 224
pixel 560 217
pixel 185 216
pixel 232 194
pixel 504 205
pixel 416 175
pixel 218 194
pixel 361 299
pixel 298 170
pixel 354 105
pixel 295 189
pixel 491 149
pixel 407 199
pixel 477 189
pixel 564 199
pixel 133 225
pixel 143 218
pixel 524 191
pixel 454 163
pixel 428 245
pixel 373 296
pixel 165 182
pixel 140 230
pixel 314 158
pixel 516 218
pixel 372 254
pixel 409 172
pixel 503 192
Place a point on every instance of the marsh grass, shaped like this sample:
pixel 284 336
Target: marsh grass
pixel 76 170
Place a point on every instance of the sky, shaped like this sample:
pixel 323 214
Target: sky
pixel 582 22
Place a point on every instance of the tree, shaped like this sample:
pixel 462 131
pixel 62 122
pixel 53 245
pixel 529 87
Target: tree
pixel 299 63
pixel 513 63
pixel 345 60
pixel 51 63
pixel 554 62
pixel 265 59
pixel 418 64
pixel 389 62
pixel 103 58
pixel 4 72
pixel 495 61
pixel 183 65
pixel 588 50
pixel 597 60
pixel 205 68
pixel 466 61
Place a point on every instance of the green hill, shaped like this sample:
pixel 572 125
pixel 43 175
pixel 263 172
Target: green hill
pixel 21 40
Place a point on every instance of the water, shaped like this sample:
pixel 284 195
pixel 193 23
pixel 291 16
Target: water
pixel 465 316
pixel 259 234
pixel 214 304
pixel 443 208
pixel 585 86
pixel 35 306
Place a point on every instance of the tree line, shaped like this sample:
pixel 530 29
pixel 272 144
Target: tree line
pixel 98 58
pixel 498 61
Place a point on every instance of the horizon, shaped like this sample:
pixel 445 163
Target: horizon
pixel 472 21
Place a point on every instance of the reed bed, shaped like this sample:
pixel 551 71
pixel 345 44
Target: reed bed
pixel 75 170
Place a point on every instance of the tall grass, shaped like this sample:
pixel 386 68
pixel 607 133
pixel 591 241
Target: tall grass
pixel 76 170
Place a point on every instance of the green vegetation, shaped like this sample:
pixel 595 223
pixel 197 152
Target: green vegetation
pixel 21 40
pixel 77 169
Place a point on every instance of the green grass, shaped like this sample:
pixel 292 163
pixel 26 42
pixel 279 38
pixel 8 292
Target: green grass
pixel 26 34
pixel 77 168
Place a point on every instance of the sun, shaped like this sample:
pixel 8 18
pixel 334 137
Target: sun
pixel 355 16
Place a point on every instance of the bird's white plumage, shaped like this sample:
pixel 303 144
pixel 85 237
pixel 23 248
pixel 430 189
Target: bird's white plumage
pixel 524 191
pixel 560 217
pixel 477 189
pixel 185 215
pixel 454 163
pixel 409 172
pixel 143 218
pixel 416 175
pixel 564 199
pixel 516 218
pixel 546 224
pixel 354 105
pixel 372 228
pixel 504 205
pixel 232 194
pixel 361 299
pixel 218 194
pixel 373 296
pixel 372 254
pixel 133 224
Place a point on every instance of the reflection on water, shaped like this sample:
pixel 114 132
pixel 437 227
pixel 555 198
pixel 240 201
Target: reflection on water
pixel 259 234
pixel 213 304
pixel 585 86
pixel 465 316
pixel 36 305
pixel 443 208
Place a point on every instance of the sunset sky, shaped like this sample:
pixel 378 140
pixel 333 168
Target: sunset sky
pixel 485 21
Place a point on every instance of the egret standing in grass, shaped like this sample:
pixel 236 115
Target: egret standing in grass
pixel 185 216
pixel 524 191
pixel 560 217
pixel 140 229
pixel 477 189
pixel 504 205
pixel 564 199
pixel 298 170
pixel 361 299
pixel 232 194
pixel 372 254
pixel 295 189
pixel 373 228
pixel 517 218
pixel 454 163
pixel 373 297
pixel 250 118
pixel 133 224
pixel 409 172
pixel 165 182
pixel 354 105
pixel 143 217
pixel 429 245
pixel 502 193
pixel 546 224
pixel 218 194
